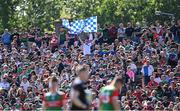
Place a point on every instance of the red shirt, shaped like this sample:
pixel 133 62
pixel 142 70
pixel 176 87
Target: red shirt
pixel 113 32
pixel 138 95
pixel 152 84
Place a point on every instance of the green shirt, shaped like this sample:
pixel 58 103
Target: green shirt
pixel 63 36
pixel 24 40
pixel 107 94
pixel 105 33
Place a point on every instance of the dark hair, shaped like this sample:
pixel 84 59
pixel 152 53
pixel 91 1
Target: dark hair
pixel 119 80
pixel 54 79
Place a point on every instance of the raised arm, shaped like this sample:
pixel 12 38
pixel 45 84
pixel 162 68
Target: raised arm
pixel 80 40
pixel 94 40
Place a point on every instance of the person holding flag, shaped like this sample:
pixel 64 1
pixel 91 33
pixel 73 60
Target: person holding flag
pixel 109 95
pixel 54 100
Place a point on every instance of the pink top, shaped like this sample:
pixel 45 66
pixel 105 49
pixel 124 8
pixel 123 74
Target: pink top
pixel 130 74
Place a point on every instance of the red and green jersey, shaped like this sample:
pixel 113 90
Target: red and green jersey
pixel 54 101
pixel 106 97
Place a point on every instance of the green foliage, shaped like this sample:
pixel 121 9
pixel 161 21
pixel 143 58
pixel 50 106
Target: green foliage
pixel 43 13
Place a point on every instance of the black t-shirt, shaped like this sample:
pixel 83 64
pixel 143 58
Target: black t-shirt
pixel 173 29
pixel 138 29
pixel 129 31
pixel 15 34
pixel 178 31
pixel 60 67
pixel 46 40
pixel 79 86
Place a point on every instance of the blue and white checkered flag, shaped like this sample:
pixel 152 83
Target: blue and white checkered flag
pixel 65 23
pixel 90 24
pixel 76 27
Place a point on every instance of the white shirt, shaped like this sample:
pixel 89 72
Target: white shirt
pixel 133 67
pixel 25 85
pixel 150 70
pixel 87 48
pixel 121 32
pixel 5 85
pixel 158 80
pixel 90 36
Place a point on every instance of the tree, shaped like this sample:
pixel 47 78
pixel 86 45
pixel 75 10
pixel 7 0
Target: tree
pixel 43 13
pixel 7 10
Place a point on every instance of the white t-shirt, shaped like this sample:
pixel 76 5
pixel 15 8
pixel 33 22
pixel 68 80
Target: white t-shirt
pixel 150 70
pixel 90 36
pixel 4 85
pixel 87 48
pixel 25 85
pixel 158 80
pixel 121 32
pixel 133 67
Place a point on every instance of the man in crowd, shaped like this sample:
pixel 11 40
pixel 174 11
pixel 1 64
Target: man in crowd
pixel 129 30
pixel 147 71
pixel 6 38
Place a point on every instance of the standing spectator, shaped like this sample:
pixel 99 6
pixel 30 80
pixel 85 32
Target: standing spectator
pixel 54 42
pixel 158 31
pixel 105 33
pixel 178 31
pixel 62 35
pixel 46 39
pixel 4 84
pixel 99 35
pixel 173 29
pixel 121 32
pixel 129 31
pixel 137 32
pixel 38 38
pixel 112 33
pixel 172 58
pixel 132 65
pixel 152 84
pixel 147 71
pixel 6 38
pixel 131 76
pixel 71 39
pixel 87 45
pixel 16 36
pixel 25 83
pixel 31 37
pixel 24 38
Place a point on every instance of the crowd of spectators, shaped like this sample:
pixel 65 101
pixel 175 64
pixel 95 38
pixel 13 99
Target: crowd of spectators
pixel 147 58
